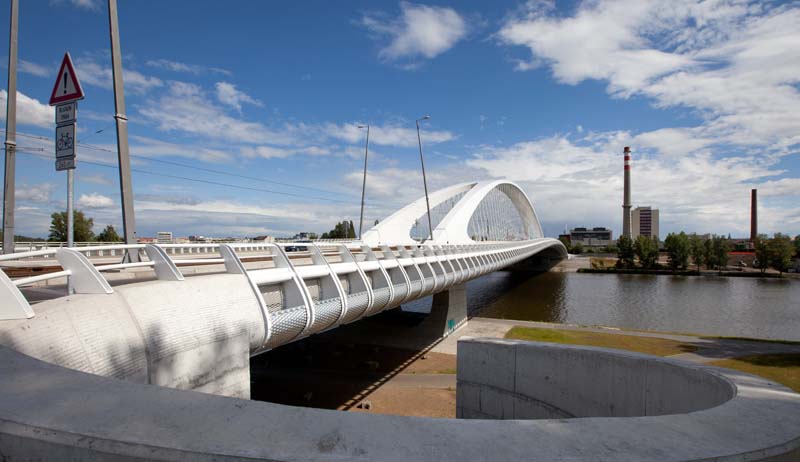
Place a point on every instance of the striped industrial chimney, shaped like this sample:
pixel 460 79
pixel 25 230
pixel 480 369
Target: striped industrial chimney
pixel 753 215
pixel 626 200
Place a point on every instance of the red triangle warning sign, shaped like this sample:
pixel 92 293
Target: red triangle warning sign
pixel 67 88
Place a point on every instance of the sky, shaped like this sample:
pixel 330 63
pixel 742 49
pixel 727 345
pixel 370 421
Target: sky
pixel 243 118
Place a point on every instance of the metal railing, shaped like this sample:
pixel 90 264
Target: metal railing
pixel 314 287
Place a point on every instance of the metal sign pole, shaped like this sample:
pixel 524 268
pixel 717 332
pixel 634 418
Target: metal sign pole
pixel 70 220
pixel 125 181
pixel 9 183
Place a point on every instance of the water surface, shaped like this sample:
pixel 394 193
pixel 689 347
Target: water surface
pixel 747 307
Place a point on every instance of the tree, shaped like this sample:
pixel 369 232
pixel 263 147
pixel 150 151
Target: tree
pixel 577 249
pixel 342 230
pixel 625 252
pixel 721 247
pixel 797 245
pixel 696 250
pixel 564 241
pixel 82 227
pixel 678 249
pixel 109 234
pixel 646 248
pixel 782 250
pixel 763 253
pixel 708 253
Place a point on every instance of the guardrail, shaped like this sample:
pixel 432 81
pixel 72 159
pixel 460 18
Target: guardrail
pixel 316 286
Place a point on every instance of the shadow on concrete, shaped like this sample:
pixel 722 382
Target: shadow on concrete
pixel 341 368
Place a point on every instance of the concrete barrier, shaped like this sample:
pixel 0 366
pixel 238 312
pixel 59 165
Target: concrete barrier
pixel 48 412
pixel 506 379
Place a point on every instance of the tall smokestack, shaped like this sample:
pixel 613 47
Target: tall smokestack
pixel 753 215
pixel 626 200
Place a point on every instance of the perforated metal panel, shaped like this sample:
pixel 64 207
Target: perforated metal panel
pixel 356 305
pixel 400 291
pixel 381 298
pixel 287 324
pixel 326 313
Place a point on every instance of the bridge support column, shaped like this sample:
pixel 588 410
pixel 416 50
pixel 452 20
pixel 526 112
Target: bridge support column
pixel 448 311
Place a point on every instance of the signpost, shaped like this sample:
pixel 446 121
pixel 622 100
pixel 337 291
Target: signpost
pixel 65 95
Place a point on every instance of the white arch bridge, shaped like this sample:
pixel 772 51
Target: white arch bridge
pixel 135 320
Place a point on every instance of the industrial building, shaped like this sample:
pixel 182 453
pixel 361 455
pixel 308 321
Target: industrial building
pixel 644 222
pixel 591 237
pixel 164 237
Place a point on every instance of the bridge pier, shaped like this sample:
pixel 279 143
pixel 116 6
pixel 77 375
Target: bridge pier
pixel 448 312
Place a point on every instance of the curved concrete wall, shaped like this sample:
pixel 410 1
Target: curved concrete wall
pixel 52 413
pixel 505 379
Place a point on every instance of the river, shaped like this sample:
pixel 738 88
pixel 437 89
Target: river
pixel 744 307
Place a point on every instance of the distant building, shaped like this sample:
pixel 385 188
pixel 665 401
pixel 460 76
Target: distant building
pixel 146 240
pixel 304 236
pixel 164 237
pixel 591 237
pixel 644 222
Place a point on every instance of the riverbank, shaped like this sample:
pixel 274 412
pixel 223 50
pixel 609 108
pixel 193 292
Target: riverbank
pixel 381 365
pixel 667 272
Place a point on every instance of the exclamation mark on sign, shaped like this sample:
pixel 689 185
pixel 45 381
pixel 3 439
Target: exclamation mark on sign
pixel 65 83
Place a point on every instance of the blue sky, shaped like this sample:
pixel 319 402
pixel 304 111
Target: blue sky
pixel 546 94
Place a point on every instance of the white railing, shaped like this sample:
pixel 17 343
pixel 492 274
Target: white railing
pixel 320 284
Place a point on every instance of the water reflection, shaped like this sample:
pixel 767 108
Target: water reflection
pixel 765 308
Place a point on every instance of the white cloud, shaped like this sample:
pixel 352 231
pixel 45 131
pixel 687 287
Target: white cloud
pixel 29 111
pixel 86 4
pixel 229 95
pixel 35 193
pixel 187 108
pixel 35 69
pixel 421 31
pixel 386 135
pixel 94 201
pixel 581 178
pixel 92 73
pixel 176 66
pixel 93 5
pixel 150 147
pixel 98 178
pixel 273 152
pixel 734 61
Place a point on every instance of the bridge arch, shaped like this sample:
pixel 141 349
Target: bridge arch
pixel 465 213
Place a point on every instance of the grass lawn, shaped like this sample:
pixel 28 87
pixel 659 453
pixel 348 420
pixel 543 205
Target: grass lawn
pixel 781 368
pixel 648 345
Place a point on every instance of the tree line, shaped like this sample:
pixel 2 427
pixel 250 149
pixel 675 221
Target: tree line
pixel 342 230
pixel 82 229
pixel 776 252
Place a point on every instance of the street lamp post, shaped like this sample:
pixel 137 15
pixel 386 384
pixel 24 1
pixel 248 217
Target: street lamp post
pixel 424 180
pixel 364 183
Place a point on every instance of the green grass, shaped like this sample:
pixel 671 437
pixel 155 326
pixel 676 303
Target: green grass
pixel 781 368
pixel 647 345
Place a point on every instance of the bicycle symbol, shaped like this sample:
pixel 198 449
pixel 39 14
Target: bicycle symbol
pixel 65 141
